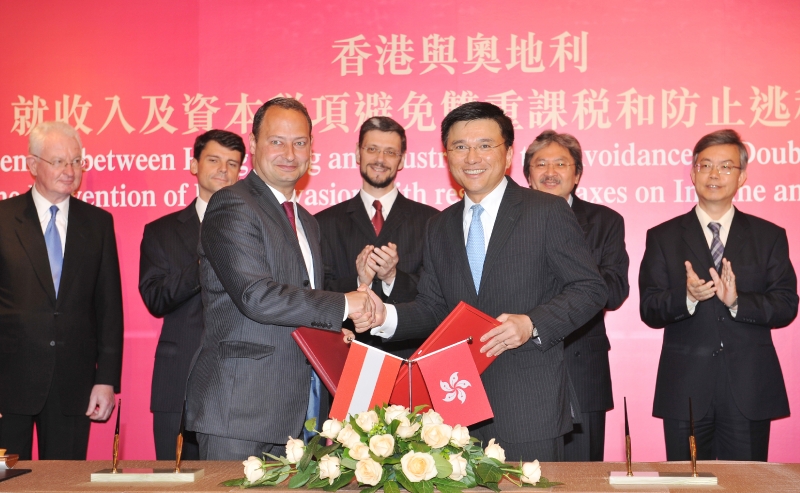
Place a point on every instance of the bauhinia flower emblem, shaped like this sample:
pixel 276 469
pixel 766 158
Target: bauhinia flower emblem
pixel 455 388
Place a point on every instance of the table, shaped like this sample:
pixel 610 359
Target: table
pixel 734 477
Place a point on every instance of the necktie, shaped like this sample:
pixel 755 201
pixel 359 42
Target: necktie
pixel 476 249
pixel 716 245
pixel 314 390
pixel 288 208
pixel 377 219
pixel 53 241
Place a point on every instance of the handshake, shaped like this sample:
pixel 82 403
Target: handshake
pixel 365 308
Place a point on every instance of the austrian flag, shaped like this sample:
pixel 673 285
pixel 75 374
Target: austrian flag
pixel 367 379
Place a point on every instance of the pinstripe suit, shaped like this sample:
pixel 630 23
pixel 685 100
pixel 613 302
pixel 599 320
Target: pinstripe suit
pixel 537 263
pixel 250 381
pixel 346 230
pixel 169 282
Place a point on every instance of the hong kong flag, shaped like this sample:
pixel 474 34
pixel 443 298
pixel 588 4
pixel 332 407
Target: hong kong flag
pixel 455 386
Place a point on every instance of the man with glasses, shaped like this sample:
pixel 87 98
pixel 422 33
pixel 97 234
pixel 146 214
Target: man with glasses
pixel 515 254
pixel 718 280
pixel 60 305
pixel 554 164
pixel 375 238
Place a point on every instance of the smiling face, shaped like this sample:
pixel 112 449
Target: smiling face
pixel 56 184
pixel 715 191
pixel 282 151
pixel 553 170
pixel 479 172
pixel 377 169
pixel 217 167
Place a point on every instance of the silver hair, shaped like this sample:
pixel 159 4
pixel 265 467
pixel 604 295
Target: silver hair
pixel 40 131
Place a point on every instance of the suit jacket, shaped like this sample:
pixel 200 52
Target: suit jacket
pixel 72 342
pixel 346 230
pixel 169 282
pixel 586 349
pixel 250 381
pixel 767 287
pixel 537 264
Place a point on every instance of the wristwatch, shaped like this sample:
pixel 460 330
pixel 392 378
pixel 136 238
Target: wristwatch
pixel 734 305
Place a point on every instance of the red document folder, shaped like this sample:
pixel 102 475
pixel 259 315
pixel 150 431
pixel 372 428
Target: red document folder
pixel 462 323
pixel 326 351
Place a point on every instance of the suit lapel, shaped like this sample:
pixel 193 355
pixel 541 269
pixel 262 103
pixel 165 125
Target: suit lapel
pixel 358 216
pixel 29 232
pixel 455 238
pixel 77 236
pixel 694 237
pixel 504 224
pixel 269 204
pixel 579 209
pixel 397 216
pixel 314 244
pixel 189 227
pixel 740 229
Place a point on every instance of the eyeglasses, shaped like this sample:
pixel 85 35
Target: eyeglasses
pixel 390 154
pixel 724 168
pixel 60 163
pixel 463 149
pixel 542 164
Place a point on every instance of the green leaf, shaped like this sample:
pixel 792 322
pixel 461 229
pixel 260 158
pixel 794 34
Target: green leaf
pixel 420 447
pixel 544 483
pixel 393 427
pixel 312 447
pixel 419 408
pixel 447 485
pixel 443 466
pixel 403 480
pixel 327 450
pixel 316 482
pixel 311 424
pixel 425 487
pixel 301 477
pixel 488 473
pixel 233 482
pixel 348 462
pixel 341 481
pixel 391 487
pixel 492 486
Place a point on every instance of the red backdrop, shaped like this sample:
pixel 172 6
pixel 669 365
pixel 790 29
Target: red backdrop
pixel 638 82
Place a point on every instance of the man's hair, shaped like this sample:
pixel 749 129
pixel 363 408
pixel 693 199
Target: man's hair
pixel 285 103
pixel 40 131
pixel 722 137
pixel 479 110
pixel 567 141
pixel 383 124
pixel 224 138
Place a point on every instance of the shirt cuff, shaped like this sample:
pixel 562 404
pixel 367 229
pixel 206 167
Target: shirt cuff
pixel 387 330
pixel 387 288
pixel 346 308
pixel 691 305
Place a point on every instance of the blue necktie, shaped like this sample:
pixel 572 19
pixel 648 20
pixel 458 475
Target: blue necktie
pixel 716 245
pixel 313 406
pixel 53 241
pixel 476 248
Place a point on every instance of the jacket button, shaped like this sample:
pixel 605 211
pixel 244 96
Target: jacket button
pixel 56 314
pixel 52 343
pixel 306 283
pixel 577 353
pixel 721 319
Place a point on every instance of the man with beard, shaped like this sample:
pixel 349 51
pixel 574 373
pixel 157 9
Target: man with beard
pixel 553 164
pixel 375 238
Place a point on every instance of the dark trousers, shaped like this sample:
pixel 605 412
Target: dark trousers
pixel 60 437
pixel 586 441
pixel 213 447
pixel 548 450
pixel 724 433
pixel 165 432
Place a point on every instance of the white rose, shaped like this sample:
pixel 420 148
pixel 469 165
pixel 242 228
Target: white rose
pixel 437 436
pixel 394 412
pixel 348 437
pixel 294 450
pixel 460 436
pixel 252 469
pixel 495 451
pixel 418 466
pixel 406 429
pixel 367 420
pixel 331 428
pixel 459 467
pixel 359 451
pixel 531 472
pixel 382 445
pixel 432 418
pixel 368 472
pixel 329 468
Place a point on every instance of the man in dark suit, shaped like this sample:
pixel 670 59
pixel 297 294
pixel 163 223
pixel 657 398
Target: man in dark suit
pixel 169 282
pixel 718 348
pixel 479 251
pixel 375 238
pixel 554 164
pixel 260 259
pixel 60 313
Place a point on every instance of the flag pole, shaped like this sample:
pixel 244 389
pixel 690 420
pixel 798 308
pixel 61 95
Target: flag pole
pixel 410 403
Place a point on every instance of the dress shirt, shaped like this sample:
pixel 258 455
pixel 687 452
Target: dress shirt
pixel 43 211
pixel 491 206
pixel 387 201
pixel 200 206
pixel 725 228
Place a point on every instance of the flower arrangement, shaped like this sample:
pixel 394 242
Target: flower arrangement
pixel 391 448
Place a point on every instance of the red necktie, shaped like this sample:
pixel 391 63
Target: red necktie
pixel 288 208
pixel 377 219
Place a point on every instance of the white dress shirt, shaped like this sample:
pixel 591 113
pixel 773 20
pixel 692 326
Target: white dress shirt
pixel 387 201
pixel 43 212
pixel 200 206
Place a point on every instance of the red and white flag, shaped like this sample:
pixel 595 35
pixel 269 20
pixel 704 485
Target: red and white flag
pixel 367 379
pixel 455 386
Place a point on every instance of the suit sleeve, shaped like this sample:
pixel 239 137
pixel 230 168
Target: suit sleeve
pixel 404 289
pixel 776 306
pixel 614 263
pixel 583 292
pixel 108 296
pixel 660 302
pixel 234 243
pixel 163 286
